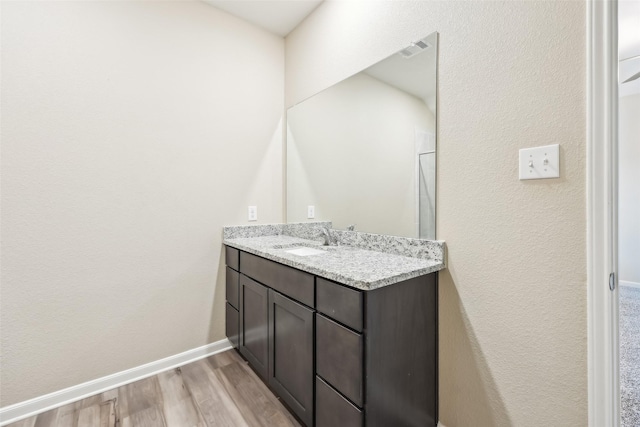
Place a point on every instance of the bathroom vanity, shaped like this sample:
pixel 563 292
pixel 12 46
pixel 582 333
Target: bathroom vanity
pixel 346 337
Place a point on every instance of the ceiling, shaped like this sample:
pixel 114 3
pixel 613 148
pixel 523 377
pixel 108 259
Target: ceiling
pixel 282 16
pixel 416 75
pixel 276 16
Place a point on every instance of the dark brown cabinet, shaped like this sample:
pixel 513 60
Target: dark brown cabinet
pixel 232 325
pixel 232 314
pixel 254 324
pixel 337 355
pixel 385 374
pixel 340 303
pixel 332 409
pixel 233 288
pixel 339 358
pixel 291 354
pixel 295 284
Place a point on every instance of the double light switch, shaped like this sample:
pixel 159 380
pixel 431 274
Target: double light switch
pixel 540 162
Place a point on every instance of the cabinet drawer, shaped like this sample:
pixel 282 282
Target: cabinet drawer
pixel 232 325
pixel 293 283
pixel 339 354
pixel 233 281
pixel 340 303
pixel 334 410
pixel 232 257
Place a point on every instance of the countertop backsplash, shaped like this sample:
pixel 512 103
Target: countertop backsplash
pixel 405 246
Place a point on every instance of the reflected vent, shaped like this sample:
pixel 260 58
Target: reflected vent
pixel 414 49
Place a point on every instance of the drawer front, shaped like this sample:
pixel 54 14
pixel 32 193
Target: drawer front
pixel 232 256
pixel 339 353
pixel 233 283
pixel 232 325
pixel 293 283
pixel 339 303
pixel 334 410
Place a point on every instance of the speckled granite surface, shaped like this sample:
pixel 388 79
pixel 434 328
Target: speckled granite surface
pixel 305 230
pixel 630 356
pixel 351 265
pixel 405 246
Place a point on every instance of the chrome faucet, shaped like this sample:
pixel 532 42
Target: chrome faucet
pixel 327 236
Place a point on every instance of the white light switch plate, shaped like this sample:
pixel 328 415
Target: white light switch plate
pixel 253 213
pixel 540 162
pixel 311 212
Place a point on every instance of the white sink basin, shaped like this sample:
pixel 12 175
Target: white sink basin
pixel 304 251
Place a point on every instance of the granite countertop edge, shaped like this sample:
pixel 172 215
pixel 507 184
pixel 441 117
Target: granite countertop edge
pixel 429 266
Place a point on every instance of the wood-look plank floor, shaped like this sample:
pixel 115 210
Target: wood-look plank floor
pixel 218 391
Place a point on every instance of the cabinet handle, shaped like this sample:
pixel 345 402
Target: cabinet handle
pixel 612 281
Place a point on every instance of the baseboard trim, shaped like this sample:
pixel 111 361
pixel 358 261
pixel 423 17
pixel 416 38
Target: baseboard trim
pixel 440 424
pixel 630 284
pixel 49 401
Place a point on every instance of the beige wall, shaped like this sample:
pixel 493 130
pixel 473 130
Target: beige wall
pixel 131 133
pixel 513 321
pixel 124 121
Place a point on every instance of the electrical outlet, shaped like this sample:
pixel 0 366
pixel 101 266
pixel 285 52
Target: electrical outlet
pixel 311 212
pixel 540 162
pixel 253 213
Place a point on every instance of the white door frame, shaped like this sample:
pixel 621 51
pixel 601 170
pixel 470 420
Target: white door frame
pixel 602 190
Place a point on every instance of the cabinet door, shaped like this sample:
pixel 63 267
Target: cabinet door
pixel 232 280
pixel 254 318
pixel 232 323
pixel 291 354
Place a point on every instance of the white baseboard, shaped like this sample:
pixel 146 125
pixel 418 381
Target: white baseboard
pixel 630 284
pixel 29 408
pixel 440 424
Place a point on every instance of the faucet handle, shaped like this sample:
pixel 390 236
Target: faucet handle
pixel 324 232
pixel 351 227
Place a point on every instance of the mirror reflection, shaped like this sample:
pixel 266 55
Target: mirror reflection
pixel 363 151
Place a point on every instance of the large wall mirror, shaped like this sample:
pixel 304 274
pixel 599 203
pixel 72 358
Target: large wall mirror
pixel 363 151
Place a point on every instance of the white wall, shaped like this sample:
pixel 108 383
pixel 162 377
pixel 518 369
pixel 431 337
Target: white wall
pixel 131 133
pixel 351 153
pixel 513 322
pixel 629 192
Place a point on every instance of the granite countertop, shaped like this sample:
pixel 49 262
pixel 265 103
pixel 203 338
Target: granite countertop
pixel 350 265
